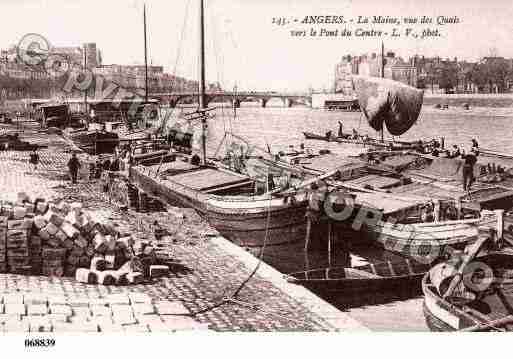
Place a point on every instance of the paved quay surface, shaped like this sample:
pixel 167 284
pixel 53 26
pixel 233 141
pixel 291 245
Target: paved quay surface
pixel 208 269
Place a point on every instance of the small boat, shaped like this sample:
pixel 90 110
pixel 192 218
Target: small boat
pixel 369 278
pixel 363 141
pixel 483 302
pixel 93 141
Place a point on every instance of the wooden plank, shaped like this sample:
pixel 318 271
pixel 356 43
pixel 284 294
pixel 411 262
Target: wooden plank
pixel 206 178
pixel 245 183
pixel 375 181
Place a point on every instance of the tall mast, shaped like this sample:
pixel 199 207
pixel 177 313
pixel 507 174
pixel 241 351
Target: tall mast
pixel 145 58
pixel 382 76
pixel 85 67
pixel 201 84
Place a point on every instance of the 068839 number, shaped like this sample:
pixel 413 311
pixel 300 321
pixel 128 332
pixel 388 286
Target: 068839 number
pixel 39 343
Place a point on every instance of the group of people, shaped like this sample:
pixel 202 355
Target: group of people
pixel 73 164
pixel 469 159
pixel 353 136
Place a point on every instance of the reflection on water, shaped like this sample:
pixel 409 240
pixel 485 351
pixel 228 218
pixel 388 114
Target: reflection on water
pixel 291 258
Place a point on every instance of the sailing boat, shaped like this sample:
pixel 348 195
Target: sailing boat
pixel 114 118
pixel 384 102
pixel 225 198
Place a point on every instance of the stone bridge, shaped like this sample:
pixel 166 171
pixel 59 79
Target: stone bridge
pixel 288 99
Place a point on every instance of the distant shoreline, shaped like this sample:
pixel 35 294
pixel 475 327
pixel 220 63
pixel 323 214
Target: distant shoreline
pixel 469 95
pixel 473 100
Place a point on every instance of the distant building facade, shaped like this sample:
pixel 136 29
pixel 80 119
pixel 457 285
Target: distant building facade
pixel 372 65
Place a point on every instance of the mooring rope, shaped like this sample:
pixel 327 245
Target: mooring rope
pixel 232 297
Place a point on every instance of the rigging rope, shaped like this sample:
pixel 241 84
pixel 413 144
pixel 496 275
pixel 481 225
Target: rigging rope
pixel 220 76
pixel 232 298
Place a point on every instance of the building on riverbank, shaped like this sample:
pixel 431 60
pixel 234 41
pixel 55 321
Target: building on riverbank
pixel 372 65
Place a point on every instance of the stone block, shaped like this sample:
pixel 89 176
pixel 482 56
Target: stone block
pixel 86 276
pixel 139 298
pixel 41 207
pixel 19 212
pixel 118 299
pixel 171 308
pixel 40 222
pixel 16 326
pixel 61 236
pixel 76 327
pixel 16 309
pixel 55 299
pixel 82 311
pixel 22 252
pixel 37 309
pixel 57 318
pixel 110 328
pixel 124 319
pixel 157 271
pixel 135 277
pixel 39 324
pixel 61 309
pixel 35 298
pixel 179 323
pixel 53 253
pixel 12 298
pixel 136 328
pixel 106 278
pixel 143 308
pixel 101 311
pixel 51 228
pixel 7 317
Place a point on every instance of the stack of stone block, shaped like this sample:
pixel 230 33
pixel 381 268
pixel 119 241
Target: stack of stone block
pixel 117 312
pixel 17 243
pixel 36 254
pixel 61 239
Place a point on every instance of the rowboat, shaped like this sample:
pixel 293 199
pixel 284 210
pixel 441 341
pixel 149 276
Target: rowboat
pixel 484 303
pixel 366 142
pixel 369 278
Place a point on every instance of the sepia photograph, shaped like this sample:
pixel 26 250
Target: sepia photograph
pixel 213 166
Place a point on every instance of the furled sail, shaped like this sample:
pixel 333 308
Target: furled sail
pixel 388 102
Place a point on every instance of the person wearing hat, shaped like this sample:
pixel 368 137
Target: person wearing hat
pixel 34 159
pixel 455 152
pixel 74 166
pixel 469 160
pixel 475 147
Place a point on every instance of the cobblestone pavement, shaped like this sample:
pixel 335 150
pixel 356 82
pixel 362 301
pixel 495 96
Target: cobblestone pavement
pixel 203 273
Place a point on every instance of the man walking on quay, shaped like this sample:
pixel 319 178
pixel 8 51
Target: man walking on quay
pixel 34 159
pixel 74 166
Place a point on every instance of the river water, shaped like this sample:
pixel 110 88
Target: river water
pixel 281 127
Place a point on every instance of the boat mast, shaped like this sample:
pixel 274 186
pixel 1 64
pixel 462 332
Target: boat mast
pixel 201 84
pixel 382 76
pixel 85 92
pixel 145 58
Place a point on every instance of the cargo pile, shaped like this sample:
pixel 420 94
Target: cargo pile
pixel 58 239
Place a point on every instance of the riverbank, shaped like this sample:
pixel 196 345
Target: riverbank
pixel 208 268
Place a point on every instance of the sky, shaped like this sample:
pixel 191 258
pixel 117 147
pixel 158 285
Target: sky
pixel 244 48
